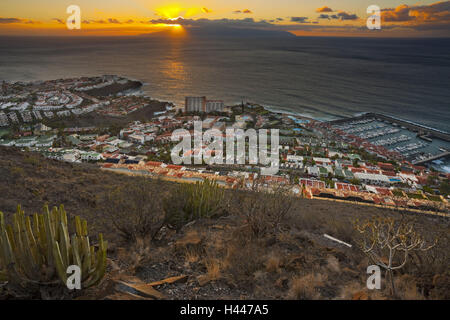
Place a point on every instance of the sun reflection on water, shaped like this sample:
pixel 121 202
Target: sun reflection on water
pixel 174 68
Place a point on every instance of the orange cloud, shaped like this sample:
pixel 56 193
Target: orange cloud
pixel 438 12
pixel 426 18
pixel 206 10
pixel 247 11
pixel 324 9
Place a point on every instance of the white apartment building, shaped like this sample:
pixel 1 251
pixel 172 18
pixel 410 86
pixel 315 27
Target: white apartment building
pixel 214 106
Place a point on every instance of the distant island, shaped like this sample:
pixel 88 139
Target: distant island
pixel 227 32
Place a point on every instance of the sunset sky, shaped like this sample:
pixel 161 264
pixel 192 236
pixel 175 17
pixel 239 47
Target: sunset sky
pixel 301 17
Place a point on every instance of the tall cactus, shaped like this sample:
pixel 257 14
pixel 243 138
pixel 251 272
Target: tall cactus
pixel 193 201
pixel 38 249
pixel 204 199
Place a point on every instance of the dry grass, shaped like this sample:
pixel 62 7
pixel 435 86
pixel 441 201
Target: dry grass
pixel 306 287
pixel 406 288
pixel 213 268
pixel 273 263
pixel 348 291
pixel 191 256
pixel 134 255
pixel 241 261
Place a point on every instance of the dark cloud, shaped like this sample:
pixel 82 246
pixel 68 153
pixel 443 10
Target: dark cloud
pixel 247 11
pixel 60 21
pixel 129 21
pixel 324 9
pixel 328 16
pixel 114 21
pixel 280 19
pixel 206 10
pixel 299 19
pixel 347 16
pixel 32 22
pixel 10 20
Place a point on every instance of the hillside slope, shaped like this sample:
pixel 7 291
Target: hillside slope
pixel 218 256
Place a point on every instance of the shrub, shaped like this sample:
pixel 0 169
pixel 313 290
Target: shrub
pixel 263 211
pixel 382 238
pixel 135 209
pixel 36 252
pixel 17 172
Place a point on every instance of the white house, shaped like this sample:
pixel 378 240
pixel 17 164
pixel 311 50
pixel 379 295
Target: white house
pixel 91 156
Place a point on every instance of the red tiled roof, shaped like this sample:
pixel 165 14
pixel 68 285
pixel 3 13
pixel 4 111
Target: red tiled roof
pixel 383 191
pixel 173 166
pixel 154 163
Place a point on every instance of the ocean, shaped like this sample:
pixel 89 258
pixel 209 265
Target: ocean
pixel 324 78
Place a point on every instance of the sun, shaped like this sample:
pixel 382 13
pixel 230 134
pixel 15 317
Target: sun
pixel 174 11
pixel 171 12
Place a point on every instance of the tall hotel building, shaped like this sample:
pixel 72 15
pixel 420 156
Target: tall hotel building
pixel 200 104
pixel 195 104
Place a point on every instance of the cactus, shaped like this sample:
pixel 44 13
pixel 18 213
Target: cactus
pixel 38 249
pixel 204 199
pixel 193 201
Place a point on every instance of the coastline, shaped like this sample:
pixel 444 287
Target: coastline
pixel 138 87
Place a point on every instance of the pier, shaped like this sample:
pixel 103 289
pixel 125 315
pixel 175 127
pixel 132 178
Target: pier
pixel 436 157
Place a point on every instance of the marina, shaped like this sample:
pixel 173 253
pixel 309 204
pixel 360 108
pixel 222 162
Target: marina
pixel 413 142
